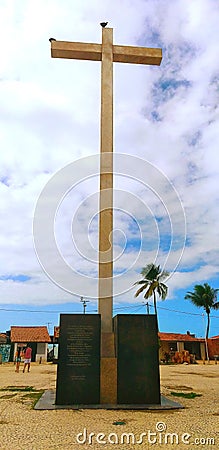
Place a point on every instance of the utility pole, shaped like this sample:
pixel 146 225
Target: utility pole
pixel 48 326
pixel 84 304
pixel 148 307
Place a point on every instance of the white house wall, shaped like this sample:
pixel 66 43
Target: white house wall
pixel 41 353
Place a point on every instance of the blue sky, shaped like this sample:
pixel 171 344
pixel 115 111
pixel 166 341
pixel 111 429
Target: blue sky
pixel 166 136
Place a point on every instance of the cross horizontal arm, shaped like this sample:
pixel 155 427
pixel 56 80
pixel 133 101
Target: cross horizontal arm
pixel 121 53
pixel 76 50
pixel 137 55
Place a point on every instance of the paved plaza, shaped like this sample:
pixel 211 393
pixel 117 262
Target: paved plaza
pixel 22 427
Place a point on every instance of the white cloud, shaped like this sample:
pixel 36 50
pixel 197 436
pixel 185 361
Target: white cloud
pixel 168 115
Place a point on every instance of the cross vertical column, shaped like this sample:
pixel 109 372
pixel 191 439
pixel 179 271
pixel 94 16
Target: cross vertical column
pixel 105 303
pixel 107 53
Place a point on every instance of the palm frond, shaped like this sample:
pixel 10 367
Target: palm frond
pixel 140 282
pixel 140 290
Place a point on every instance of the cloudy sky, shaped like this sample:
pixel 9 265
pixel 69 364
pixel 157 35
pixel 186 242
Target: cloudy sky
pixel 166 135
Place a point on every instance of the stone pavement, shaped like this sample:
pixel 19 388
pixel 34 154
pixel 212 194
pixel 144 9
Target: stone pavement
pixel 22 427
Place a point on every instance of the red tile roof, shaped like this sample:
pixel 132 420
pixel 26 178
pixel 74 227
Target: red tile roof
pixel 3 337
pixel 178 337
pixel 214 337
pixel 29 334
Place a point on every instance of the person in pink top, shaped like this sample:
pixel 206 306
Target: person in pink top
pixel 27 360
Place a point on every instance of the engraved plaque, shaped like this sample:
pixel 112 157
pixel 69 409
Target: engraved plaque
pixel 78 376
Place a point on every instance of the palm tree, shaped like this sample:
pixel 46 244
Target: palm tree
pixel 204 296
pixel 152 283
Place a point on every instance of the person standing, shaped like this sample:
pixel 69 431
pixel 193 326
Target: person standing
pixel 17 359
pixel 27 358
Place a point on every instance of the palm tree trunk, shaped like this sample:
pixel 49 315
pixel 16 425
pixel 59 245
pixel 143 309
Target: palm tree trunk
pixel 155 310
pixel 155 304
pixel 206 337
pixel 208 325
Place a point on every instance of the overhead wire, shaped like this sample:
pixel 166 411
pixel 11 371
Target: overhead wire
pixel 118 308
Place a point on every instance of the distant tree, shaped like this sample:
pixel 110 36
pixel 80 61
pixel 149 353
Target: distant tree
pixel 152 283
pixel 204 296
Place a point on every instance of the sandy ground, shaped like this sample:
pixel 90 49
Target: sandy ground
pixel 195 426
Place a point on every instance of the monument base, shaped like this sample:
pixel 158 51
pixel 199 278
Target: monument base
pixel 47 402
pixel 117 368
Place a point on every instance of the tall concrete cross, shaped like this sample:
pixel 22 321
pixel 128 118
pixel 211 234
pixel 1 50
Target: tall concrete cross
pixel 107 53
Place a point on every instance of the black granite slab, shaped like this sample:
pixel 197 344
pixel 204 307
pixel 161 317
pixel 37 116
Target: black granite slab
pixel 138 379
pixel 78 373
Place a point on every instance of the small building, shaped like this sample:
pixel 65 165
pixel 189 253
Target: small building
pixel 4 348
pixel 176 342
pixel 213 347
pixel 37 337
